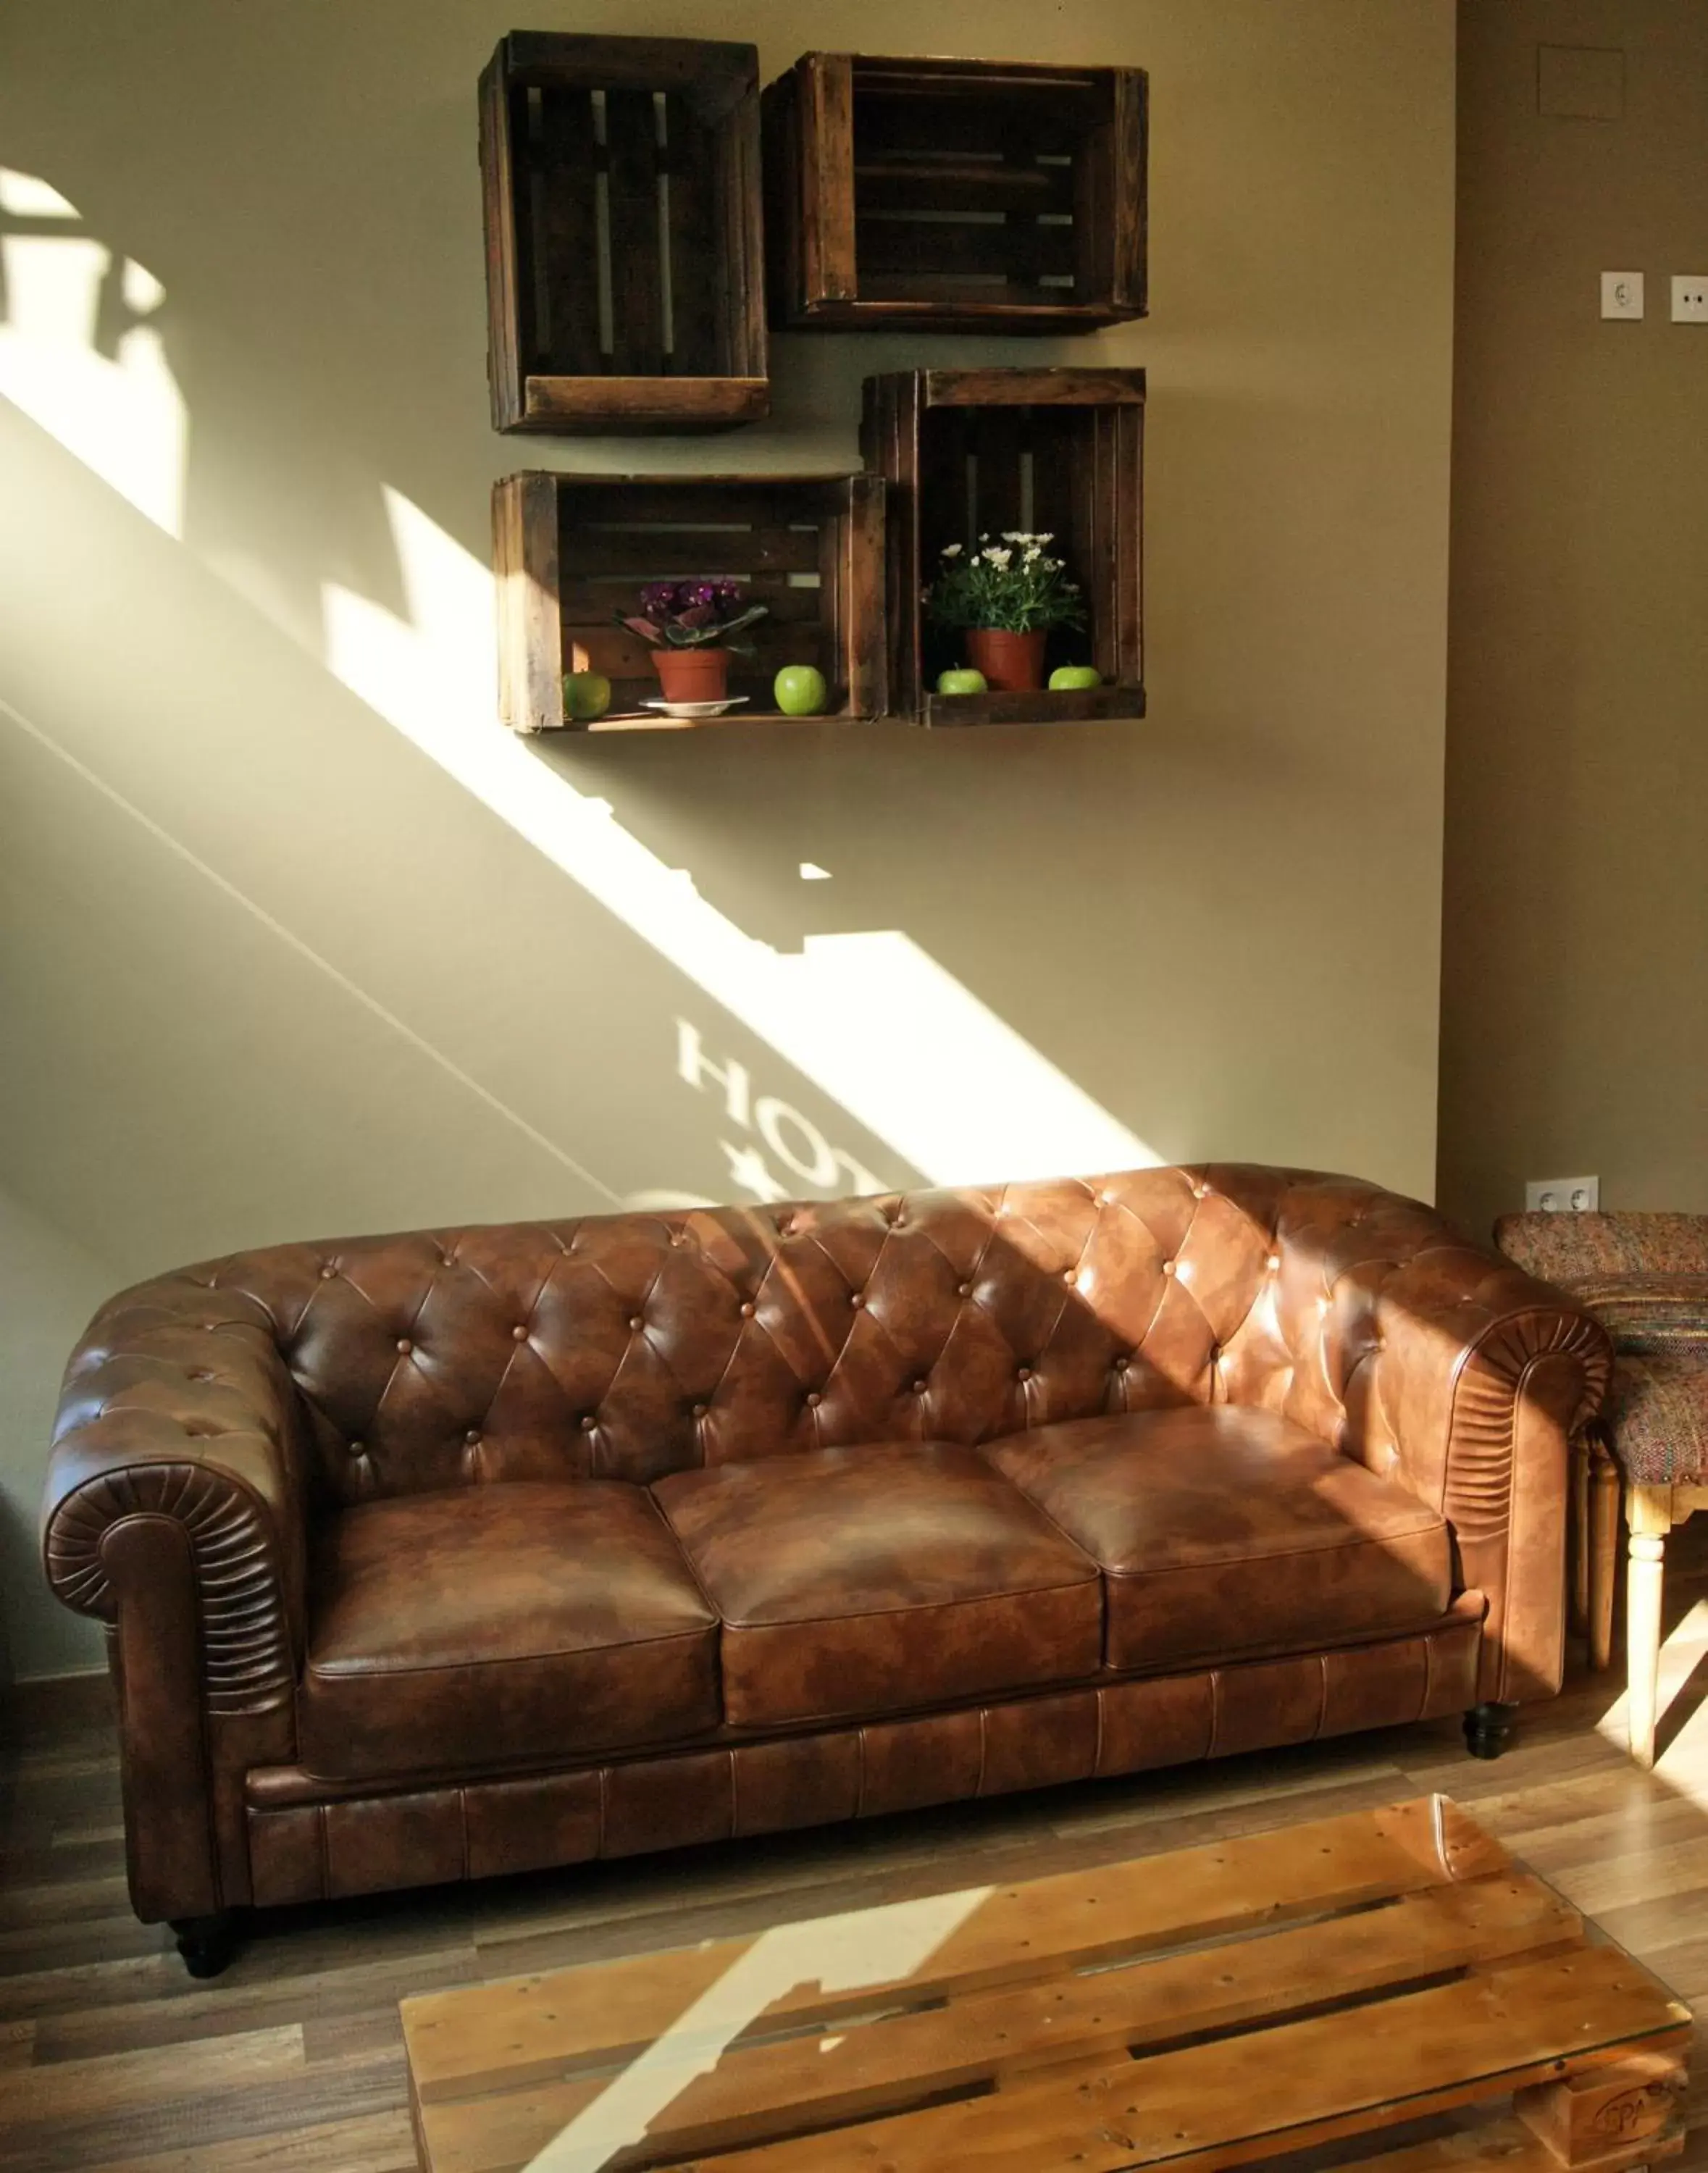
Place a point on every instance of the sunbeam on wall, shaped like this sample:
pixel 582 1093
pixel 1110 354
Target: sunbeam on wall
pixel 871 1017
pixel 79 353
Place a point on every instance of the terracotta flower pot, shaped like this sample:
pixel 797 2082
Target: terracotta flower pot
pixel 692 675
pixel 1012 662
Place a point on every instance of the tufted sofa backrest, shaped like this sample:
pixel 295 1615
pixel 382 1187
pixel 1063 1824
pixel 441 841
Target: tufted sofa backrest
pixel 630 1346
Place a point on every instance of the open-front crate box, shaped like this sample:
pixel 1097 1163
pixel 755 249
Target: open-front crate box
pixel 572 551
pixel 963 451
pixel 954 195
pixel 624 247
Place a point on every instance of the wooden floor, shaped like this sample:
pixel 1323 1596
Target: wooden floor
pixel 110 2058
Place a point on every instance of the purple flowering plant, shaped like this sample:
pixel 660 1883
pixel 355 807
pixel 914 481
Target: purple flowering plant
pixel 693 614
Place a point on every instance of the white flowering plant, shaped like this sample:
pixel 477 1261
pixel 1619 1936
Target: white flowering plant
pixel 1013 586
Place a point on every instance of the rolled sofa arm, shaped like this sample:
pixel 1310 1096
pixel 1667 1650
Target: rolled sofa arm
pixel 176 1512
pixel 1468 1380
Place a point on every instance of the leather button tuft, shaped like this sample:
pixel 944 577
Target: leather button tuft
pixel 327 1272
pixel 1168 1267
pixel 358 1448
pixel 520 1333
pixel 700 1411
pixel 588 1423
pixel 637 1322
pixel 919 1388
pixel 1070 1274
pixel 813 1400
pixel 1122 1364
pixel 856 1297
pixel 471 1438
pixel 1272 1262
pixel 405 1345
pixel 746 1313
pixel 1024 1374
pixel 964 1290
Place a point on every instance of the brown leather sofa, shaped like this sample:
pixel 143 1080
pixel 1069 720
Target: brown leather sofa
pixel 471 1551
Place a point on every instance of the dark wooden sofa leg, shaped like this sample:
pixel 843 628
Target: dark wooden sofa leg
pixel 1489 1729
pixel 206 1944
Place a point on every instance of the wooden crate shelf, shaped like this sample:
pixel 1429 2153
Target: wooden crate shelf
pixel 966 451
pixel 954 195
pixel 624 244
pixel 570 551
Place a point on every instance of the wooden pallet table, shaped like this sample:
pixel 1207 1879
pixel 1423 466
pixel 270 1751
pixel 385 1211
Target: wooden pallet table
pixel 1387 1970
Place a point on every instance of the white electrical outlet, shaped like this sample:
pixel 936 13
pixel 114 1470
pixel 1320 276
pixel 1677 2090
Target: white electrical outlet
pixel 1622 293
pixel 1563 1196
pixel 1690 298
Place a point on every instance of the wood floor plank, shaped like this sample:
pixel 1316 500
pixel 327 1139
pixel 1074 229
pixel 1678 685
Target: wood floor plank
pixel 371 2142
pixel 118 2079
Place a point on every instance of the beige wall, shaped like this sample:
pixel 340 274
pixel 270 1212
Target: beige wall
pixel 295 941
pixel 1575 1016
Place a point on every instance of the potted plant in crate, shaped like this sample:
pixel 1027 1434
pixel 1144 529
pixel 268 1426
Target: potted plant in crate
pixel 690 626
pixel 1005 597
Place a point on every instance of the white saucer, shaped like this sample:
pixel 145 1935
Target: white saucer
pixel 698 709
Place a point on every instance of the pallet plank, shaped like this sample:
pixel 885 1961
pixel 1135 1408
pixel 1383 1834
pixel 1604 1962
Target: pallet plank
pixel 1507 2144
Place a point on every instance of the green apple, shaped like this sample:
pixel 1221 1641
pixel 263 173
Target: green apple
pixel 962 681
pixel 1070 676
pixel 800 690
pixel 586 695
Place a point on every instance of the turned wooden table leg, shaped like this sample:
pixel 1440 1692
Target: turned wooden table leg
pixel 1649 1510
pixel 1582 1582
pixel 1603 1556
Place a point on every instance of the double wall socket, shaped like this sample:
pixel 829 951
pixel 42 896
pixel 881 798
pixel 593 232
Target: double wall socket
pixel 1563 1196
pixel 1690 298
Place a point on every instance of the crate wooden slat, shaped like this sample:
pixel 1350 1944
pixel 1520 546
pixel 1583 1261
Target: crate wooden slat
pixel 621 188
pixel 571 551
pixel 1204 2007
pixel 963 451
pixel 954 195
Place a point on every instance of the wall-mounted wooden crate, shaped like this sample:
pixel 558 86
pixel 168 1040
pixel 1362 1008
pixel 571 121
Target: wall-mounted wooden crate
pixel 954 195
pixel 966 450
pixel 571 551
pixel 624 242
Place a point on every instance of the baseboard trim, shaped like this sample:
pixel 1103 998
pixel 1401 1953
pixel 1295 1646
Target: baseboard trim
pixel 45 1705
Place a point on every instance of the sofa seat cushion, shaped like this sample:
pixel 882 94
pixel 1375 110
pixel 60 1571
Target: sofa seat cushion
pixel 1221 1530
pixel 500 1624
pixel 864 1581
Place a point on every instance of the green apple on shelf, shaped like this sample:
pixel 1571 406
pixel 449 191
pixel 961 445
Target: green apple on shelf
pixel 963 680
pixel 586 695
pixel 801 691
pixel 1067 677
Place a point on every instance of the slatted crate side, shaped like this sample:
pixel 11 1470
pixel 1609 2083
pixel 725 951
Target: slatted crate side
pixel 954 195
pixel 964 190
pixel 970 451
pixel 625 239
pixel 531 657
